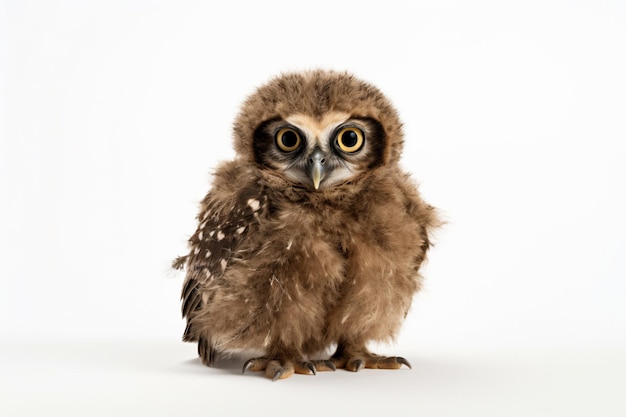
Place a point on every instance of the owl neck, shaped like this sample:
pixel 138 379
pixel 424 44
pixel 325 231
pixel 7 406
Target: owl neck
pixel 278 188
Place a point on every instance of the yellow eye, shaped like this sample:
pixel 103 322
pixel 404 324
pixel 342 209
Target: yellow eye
pixel 287 140
pixel 350 139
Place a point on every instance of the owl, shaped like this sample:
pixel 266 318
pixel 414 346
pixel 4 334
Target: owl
pixel 310 241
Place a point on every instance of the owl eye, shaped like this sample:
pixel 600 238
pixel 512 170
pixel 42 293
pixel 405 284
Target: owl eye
pixel 287 140
pixel 350 139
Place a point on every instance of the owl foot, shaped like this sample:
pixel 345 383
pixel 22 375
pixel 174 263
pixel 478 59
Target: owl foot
pixel 355 361
pixel 280 368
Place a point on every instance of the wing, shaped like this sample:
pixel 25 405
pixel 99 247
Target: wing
pixel 422 213
pixel 225 220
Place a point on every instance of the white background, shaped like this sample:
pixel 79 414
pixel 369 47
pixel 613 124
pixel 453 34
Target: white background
pixel 113 113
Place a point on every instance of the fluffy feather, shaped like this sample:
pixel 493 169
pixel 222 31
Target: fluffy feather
pixel 288 271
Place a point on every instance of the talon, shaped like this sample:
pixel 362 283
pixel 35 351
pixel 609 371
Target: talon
pixel 358 365
pixel 331 365
pixel 247 365
pixel 277 375
pixel 312 368
pixel 403 362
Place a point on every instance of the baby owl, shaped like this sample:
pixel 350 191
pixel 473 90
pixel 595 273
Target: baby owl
pixel 311 239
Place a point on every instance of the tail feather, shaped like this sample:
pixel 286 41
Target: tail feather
pixel 206 351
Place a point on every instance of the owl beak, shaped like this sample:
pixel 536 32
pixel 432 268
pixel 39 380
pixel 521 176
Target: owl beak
pixel 316 167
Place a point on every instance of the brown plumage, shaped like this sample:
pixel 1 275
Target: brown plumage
pixel 312 237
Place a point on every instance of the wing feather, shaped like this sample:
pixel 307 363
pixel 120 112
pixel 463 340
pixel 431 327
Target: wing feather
pixel 223 223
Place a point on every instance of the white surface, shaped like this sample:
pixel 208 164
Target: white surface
pixel 113 113
pixel 160 379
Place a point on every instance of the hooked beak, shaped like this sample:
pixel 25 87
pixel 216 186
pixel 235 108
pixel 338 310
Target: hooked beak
pixel 316 167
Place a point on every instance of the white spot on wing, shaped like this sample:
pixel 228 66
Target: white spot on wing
pixel 220 235
pixel 254 204
pixel 196 250
pixel 200 235
pixel 289 244
pixel 241 229
pixel 223 264
pixel 211 233
pixel 207 254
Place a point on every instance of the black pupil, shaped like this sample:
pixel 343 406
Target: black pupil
pixel 289 139
pixel 349 138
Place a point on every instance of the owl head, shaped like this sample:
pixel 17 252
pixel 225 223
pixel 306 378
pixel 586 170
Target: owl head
pixel 318 130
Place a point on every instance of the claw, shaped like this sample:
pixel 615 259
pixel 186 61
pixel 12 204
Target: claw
pixel 277 375
pixel 331 365
pixel 247 365
pixel 311 367
pixel 358 365
pixel 403 362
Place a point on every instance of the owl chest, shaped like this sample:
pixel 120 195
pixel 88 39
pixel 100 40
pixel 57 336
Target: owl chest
pixel 321 247
pixel 309 261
